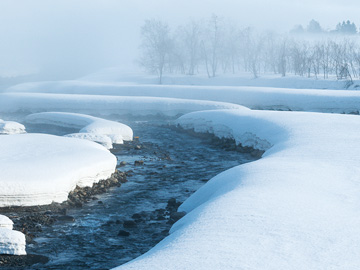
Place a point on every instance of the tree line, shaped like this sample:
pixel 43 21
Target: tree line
pixel 217 46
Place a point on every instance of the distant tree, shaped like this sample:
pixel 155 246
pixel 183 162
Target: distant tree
pixel 314 27
pixel 229 54
pixel 252 48
pixel 346 28
pixel 156 46
pixel 189 37
pixel 298 29
pixel 211 45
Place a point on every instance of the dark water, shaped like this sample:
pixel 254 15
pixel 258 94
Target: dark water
pixel 175 165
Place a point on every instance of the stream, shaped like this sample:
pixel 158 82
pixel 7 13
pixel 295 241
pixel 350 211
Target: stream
pixel 124 223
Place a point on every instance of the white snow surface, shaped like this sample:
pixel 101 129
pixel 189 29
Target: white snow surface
pixel 38 169
pixel 315 100
pixel 104 140
pixel 92 128
pixel 12 242
pixel 11 127
pixel 295 208
pixel 6 223
pixel 105 105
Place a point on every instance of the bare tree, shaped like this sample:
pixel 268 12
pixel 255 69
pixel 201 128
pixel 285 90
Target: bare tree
pixel 156 46
pixel 188 39
pixel 211 45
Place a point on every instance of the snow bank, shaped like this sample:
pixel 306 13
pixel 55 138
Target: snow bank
pixel 6 223
pixel 94 129
pixel 12 242
pixel 105 105
pixel 119 76
pixel 10 127
pixel 98 138
pixel 315 100
pixel 38 169
pixel 296 208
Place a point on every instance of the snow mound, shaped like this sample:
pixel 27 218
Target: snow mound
pixel 12 242
pixel 104 140
pixel 268 98
pixel 38 169
pixel 10 127
pixel 6 223
pixel 105 105
pixel 295 208
pixel 94 129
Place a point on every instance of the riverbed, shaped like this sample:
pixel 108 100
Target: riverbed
pixel 164 168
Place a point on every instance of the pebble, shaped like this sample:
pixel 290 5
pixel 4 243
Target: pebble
pixel 129 224
pixel 123 233
pixel 138 162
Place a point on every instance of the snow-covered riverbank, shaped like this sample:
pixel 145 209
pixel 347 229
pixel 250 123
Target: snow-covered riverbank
pixel 296 208
pixel 40 169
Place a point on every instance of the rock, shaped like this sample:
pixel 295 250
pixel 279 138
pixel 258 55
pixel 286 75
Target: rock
pixel 175 216
pixel 23 261
pixel 136 216
pixel 129 224
pixel 171 202
pixel 123 163
pixel 123 233
pixel 138 162
pixel 65 218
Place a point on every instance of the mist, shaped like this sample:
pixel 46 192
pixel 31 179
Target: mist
pixel 70 38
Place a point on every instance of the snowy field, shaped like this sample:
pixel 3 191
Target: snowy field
pixel 118 91
pixel 296 208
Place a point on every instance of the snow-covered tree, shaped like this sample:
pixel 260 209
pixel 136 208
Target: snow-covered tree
pixel 346 28
pixel 314 27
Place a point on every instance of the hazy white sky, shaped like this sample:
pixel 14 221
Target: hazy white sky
pixel 79 36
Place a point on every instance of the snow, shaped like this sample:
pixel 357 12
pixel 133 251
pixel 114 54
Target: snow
pixel 105 105
pixel 6 222
pixel 266 98
pixel 104 140
pixel 92 128
pixel 38 169
pixel 12 242
pixel 10 127
pixel 119 76
pixel 295 208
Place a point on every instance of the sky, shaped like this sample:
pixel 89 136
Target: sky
pixel 70 38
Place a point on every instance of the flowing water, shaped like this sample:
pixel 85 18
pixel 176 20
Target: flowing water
pixel 175 166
